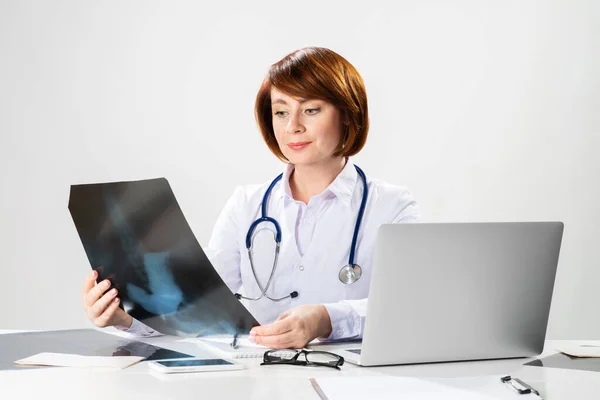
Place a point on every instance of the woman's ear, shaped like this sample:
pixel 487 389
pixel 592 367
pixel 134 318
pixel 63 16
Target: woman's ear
pixel 345 117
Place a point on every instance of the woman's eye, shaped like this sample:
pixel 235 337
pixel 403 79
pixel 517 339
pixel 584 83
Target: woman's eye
pixel 310 111
pixel 279 113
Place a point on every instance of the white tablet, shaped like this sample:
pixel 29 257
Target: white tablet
pixel 194 365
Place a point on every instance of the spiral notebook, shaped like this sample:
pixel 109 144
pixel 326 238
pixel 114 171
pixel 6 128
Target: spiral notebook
pixel 222 346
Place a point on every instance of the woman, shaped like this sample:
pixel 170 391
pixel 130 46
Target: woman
pixel 313 115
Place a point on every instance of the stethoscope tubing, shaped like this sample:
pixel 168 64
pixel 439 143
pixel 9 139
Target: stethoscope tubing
pixel 277 237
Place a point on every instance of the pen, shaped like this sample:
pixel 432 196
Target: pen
pixel 233 343
pixel 528 389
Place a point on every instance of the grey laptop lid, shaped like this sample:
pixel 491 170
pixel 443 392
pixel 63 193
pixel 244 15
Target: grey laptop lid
pixel 460 291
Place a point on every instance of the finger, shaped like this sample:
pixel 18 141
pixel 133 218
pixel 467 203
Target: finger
pixel 258 329
pixel 102 303
pixel 276 328
pixel 96 292
pixel 88 282
pixel 282 316
pixel 283 341
pixel 104 318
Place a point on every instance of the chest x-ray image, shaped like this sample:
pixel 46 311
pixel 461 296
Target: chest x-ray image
pixel 135 234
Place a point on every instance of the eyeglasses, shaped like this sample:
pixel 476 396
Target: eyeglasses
pixel 302 357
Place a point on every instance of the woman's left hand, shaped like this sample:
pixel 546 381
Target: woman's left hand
pixel 294 328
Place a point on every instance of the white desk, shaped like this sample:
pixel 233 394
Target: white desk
pixel 282 382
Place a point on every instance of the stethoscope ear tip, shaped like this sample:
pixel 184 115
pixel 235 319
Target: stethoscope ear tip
pixel 294 294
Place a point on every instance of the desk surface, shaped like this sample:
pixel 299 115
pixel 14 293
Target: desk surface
pixel 284 382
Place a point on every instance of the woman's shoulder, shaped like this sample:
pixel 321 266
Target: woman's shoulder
pixel 398 200
pixel 386 190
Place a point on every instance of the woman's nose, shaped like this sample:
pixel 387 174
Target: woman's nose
pixel 294 124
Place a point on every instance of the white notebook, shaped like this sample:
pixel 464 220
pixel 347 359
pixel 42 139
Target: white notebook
pixel 580 350
pixel 222 346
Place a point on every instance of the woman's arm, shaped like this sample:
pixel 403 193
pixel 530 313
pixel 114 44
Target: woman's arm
pixel 348 317
pixel 223 249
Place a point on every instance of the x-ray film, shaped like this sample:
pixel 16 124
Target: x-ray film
pixel 135 234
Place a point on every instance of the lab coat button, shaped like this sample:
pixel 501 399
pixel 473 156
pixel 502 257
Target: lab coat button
pixel 301 268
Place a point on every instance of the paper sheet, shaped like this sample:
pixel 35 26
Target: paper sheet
pixel 580 350
pixel 74 360
pixel 389 387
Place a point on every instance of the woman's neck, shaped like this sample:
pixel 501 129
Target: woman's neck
pixel 307 181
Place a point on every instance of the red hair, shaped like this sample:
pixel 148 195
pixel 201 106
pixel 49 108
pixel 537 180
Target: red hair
pixel 317 73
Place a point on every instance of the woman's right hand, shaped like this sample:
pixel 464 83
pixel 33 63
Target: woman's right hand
pixel 100 307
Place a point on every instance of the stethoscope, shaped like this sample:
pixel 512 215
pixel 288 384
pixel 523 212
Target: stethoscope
pixel 347 275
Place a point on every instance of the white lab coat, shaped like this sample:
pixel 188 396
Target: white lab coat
pixel 315 245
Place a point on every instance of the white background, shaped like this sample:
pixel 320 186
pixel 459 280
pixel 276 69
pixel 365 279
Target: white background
pixel 487 110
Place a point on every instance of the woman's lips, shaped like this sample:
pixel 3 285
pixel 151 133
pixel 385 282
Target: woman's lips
pixel 298 145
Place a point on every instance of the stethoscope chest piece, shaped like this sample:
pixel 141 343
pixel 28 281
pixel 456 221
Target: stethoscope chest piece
pixel 350 273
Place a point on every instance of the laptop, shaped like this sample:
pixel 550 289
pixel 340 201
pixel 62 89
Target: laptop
pixel 458 291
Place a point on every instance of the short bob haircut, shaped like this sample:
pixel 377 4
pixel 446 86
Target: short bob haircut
pixel 317 73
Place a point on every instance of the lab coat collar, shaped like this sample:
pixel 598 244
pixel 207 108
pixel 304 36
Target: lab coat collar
pixel 342 186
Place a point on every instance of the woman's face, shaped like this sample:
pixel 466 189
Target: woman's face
pixel 307 130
